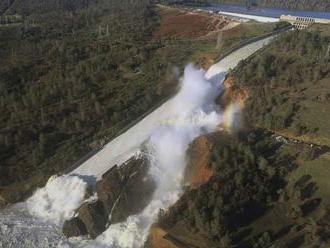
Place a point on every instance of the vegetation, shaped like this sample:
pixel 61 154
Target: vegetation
pixel 71 77
pixel 74 74
pixel 229 39
pixel 254 199
pixel 267 190
pixel 287 82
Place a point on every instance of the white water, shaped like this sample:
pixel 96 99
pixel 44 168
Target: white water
pixel 168 130
pixel 191 113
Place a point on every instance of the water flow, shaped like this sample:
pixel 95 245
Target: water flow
pixel 193 113
pixel 168 130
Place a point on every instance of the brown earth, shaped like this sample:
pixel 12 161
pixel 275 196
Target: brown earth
pixel 157 239
pixel 188 25
pixel 198 170
pixel 233 93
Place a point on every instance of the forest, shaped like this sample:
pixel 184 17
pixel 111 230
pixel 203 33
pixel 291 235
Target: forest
pixel 75 74
pixel 72 75
pixel 269 185
pixel 297 65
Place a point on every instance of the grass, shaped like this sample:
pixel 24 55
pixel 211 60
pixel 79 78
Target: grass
pixel 318 169
pixel 315 111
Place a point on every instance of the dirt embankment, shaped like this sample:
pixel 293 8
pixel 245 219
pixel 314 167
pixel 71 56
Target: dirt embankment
pixel 233 93
pixel 182 24
pixel 157 239
pixel 198 170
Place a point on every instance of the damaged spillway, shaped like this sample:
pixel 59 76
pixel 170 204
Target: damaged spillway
pixel 88 205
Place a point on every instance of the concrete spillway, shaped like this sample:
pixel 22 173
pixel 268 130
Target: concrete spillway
pixel 20 228
pixel 127 144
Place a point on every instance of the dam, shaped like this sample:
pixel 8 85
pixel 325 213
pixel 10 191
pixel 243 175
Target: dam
pixel 303 22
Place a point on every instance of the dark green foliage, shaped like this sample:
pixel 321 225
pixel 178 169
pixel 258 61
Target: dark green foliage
pixel 247 177
pixel 73 77
pixel 292 62
pixel 59 74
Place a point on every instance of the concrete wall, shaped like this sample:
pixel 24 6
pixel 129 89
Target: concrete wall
pixel 294 19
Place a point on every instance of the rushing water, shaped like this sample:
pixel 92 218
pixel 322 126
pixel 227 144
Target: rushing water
pixel 167 131
pixel 267 12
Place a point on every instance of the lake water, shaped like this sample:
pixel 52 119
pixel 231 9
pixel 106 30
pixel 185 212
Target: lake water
pixel 268 12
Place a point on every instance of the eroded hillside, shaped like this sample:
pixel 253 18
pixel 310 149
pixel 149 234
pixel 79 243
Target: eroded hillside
pixel 73 77
pixel 266 183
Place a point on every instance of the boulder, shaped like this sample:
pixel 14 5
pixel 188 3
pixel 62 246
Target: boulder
pixel 94 217
pixel 136 192
pixel 74 227
pixel 108 189
pixel 123 191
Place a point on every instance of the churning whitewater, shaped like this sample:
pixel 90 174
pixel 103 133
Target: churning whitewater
pixel 165 135
pixel 192 113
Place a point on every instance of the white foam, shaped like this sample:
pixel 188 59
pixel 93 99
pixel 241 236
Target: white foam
pixel 191 113
pixel 58 200
pixel 170 129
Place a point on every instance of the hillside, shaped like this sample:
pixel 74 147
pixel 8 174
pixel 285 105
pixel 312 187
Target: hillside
pixel 287 83
pixel 264 185
pixel 57 84
pixel 73 78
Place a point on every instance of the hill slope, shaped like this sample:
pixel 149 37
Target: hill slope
pixel 72 79
pixel 266 189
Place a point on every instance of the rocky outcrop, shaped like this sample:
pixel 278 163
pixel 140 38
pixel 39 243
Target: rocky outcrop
pixel 75 227
pixel 94 217
pixel 123 191
pixel 233 93
pixel 135 196
pixel 109 188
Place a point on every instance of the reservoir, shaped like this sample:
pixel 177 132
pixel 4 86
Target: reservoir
pixel 267 12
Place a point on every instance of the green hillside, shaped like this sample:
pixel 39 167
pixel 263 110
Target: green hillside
pixel 71 77
pixel 270 184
